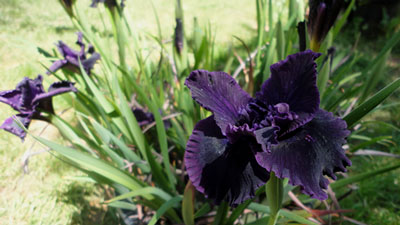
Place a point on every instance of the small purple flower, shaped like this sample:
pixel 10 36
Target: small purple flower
pixel 145 118
pixel 72 58
pixel 29 99
pixel 231 153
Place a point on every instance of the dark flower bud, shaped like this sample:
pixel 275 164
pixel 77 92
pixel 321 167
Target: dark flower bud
pixel 108 3
pixel 178 40
pixel 67 4
pixel 322 16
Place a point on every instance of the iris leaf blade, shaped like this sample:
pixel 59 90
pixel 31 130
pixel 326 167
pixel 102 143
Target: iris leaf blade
pixel 371 103
pixel 363 176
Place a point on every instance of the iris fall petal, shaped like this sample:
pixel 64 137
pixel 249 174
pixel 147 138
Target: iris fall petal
pixel 310 153
pixel 219 169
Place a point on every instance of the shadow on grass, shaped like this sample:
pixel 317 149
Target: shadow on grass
pixel 86 198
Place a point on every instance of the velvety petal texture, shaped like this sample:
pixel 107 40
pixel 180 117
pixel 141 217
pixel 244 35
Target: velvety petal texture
pixel 293 82
pixel 310 153
pixel 219 169
pixel 72 58
pixel 219 93
pixel 230 154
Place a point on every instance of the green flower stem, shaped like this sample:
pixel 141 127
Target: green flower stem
pixel 119 33
pixel 274 189
pixel 314 45
pixel 221 213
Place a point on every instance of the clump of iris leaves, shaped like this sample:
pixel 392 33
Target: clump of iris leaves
pixel 179 144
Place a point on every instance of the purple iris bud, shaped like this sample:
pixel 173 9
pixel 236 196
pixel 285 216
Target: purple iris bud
pixel 108 3
pixel 67 4
pixel 145 118
pixel 29 99
pixel 231 153
pixel 72 58
pixel 322 16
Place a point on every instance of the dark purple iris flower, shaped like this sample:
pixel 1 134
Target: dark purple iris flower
pixel 29 99
pixel 72 58
pixel 231 153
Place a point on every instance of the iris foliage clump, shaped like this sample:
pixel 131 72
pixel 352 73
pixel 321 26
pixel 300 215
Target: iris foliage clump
pixel 285 121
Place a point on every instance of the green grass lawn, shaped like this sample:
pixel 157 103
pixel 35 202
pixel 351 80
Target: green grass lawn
pixel 48 193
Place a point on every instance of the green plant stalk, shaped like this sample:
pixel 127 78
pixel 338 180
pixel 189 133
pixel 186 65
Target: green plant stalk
pixel 120 38
pixel 274 190
pixel 118 34
pixel 221 213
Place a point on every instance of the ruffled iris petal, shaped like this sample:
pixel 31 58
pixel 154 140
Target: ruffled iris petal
pixel 29 90
pixel 311 152
pixel 267 137
pixel 12 126
pixel 220 170
pixel 219 93
pixel 45 99
pixel 11 98
pixel 294 81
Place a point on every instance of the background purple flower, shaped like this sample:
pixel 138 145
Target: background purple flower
pixel 72 58
pixel 29 98
pixel 230 154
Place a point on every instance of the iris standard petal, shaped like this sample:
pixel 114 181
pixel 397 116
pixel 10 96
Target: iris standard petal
pixel 12 126
pixel 293 81
pixel 29 90
pixel 220 170
pixel 219 93
pixel 88 64
pixel 310 153
pixel 65 50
